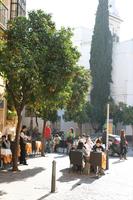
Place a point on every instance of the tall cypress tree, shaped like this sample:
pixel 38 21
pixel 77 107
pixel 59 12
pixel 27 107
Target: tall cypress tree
pixel 101 63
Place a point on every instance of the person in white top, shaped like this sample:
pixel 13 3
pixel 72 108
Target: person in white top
pixel 88 145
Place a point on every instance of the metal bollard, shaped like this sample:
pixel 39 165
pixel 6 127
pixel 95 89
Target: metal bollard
pixel 53 180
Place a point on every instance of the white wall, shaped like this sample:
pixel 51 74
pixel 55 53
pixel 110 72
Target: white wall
pixel 82 39
pixel 65 126
pixel 122 87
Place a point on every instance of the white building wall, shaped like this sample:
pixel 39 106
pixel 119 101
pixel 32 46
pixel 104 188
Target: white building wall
pixel 122 74
pixel 65 126
pixel 26 121
pixel 82 39
pixel 122 63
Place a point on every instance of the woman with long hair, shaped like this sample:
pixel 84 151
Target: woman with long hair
pixel 123 145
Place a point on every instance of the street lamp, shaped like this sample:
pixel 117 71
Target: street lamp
pixel 107 134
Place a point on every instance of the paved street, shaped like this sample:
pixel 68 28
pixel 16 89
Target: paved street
pixel 33 182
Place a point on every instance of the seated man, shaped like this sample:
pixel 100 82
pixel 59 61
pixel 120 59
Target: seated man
pixel 98 148
pixel 81 148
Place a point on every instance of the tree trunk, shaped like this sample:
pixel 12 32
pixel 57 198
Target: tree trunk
pixel 16 144
pixel 43 139
pixel 95 127
pixel 31 123
pixel 36 121
pixel 80 129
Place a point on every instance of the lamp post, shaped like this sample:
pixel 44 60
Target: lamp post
pixel 107 134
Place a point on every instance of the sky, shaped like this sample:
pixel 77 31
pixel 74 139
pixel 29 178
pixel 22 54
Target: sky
pixel 75 13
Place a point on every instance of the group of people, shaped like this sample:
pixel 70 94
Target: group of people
pixel 86 146
pixel 83 143
pixel 8 144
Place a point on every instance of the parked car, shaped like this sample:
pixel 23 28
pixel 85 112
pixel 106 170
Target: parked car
pixel 114 145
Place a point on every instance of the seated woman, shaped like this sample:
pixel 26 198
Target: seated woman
pixel 82 148
pixel 6 153
pixel 5 142
pixel 88 145
pixel 77 157
pixel 56 142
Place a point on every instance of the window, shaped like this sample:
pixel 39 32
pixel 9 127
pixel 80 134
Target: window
pixel 14 1
pixel 18 8
pixel 3 15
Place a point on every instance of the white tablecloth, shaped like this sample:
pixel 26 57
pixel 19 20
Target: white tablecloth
pixel 6 152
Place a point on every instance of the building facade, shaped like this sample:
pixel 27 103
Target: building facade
pixel 4 14
pixel 9 9
pixel 18 8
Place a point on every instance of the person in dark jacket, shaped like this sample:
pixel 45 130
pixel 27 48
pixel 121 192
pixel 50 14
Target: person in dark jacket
pixel 98 148
pixel 123 145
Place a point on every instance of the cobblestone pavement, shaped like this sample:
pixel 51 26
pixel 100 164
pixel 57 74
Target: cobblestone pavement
pixel 33 182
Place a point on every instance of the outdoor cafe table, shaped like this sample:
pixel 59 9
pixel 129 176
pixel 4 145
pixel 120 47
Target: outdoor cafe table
pixel 6 155
pixel 38 146
pixel 28 148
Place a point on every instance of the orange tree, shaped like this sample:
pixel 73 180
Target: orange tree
pixel 37 63
pixel 77 108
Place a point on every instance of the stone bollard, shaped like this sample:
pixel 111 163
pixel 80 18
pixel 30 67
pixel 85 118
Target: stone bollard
pixel 53 179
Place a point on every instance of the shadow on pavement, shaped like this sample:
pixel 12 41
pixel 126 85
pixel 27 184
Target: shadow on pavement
pixel 45 196
pixel 2 193
pixel 68 176
pixel 117 161
pixel 9 176
pixel 130 152
pixel 61 156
